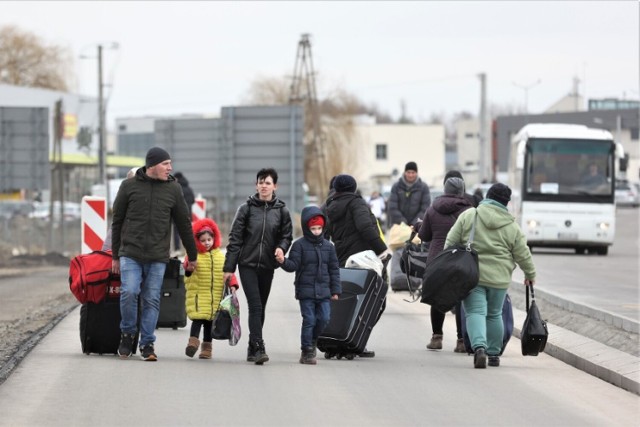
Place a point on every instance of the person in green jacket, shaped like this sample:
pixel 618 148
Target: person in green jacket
pixel 500 245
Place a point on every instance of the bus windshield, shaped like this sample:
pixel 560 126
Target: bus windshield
pixel 567 167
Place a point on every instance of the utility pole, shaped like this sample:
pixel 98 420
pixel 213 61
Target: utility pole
pixel 482 163
pixel 303 91
pixel 101 140
pixel 526 92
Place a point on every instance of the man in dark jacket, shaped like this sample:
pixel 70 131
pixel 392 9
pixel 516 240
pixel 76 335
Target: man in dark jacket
pixel 141 238
pixel 409 198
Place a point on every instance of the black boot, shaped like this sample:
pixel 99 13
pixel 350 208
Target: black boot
pixel 308 357
pixel 261 353
pixel 251 352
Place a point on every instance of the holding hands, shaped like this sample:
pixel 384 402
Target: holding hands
pixel 279 254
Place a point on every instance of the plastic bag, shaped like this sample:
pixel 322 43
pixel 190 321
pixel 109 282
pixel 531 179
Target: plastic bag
pixel 365 260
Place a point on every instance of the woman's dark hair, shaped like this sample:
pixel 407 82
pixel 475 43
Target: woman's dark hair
pixel 265 172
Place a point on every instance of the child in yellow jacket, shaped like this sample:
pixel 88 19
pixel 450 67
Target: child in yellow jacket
pixel 204 286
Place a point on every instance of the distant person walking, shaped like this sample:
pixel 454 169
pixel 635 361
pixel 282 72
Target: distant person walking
pixel 106 245
pixel 142 213
pixel 261 232
pixel 438 220
pixel 189 199
pixel 409 198
pixel 500 245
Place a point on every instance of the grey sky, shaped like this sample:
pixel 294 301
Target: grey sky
pixel 196 57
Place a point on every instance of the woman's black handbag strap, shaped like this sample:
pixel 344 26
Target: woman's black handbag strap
pixel 529 289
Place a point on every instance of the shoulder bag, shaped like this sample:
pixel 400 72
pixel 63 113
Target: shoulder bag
pixel 451 275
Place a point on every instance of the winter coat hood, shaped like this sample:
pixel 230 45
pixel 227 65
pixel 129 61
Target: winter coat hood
pixel 202 224
pixel 449 204
pixel 496 216
pixel 308 213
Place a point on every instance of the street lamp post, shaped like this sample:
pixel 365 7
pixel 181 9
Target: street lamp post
pixel 102 152
pixel 526 92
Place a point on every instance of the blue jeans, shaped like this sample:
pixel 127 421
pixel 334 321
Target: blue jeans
pixel 315 317
pixel 142 280
pixel 483 310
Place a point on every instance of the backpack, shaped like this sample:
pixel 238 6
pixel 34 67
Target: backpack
pixel 90 277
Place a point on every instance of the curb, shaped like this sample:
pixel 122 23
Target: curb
pixel 609 364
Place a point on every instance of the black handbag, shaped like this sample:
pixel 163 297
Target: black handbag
pixel 534 333
pixel 451 275
pixel 222 323
pixel 413 260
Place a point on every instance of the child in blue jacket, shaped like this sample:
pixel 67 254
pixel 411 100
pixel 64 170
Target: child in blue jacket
pixel 313 258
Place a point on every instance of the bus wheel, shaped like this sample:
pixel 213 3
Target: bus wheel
pixel 580 250
pixel 603 250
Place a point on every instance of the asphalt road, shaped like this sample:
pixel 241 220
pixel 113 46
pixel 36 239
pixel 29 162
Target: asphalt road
pixel 404 385
pixel 610 283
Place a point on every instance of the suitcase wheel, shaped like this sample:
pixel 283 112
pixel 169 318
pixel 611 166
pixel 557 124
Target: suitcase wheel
pixel 328 355
pixel 350 356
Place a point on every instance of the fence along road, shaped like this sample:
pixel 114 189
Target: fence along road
pixel 405 384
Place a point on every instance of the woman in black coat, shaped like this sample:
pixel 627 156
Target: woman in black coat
pixel 260 232
pixel 438 220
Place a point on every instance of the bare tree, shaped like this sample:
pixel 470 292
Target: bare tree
pixel 26 60
pixel 338 145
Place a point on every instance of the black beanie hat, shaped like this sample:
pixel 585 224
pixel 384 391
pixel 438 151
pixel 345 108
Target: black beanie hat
pixel 452 174
pixel 156 155
pixel 345 184
pixel 411 166
pixel 500 193
pixel 454 185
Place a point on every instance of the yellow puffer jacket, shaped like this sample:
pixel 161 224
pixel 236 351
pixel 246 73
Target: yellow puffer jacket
pixel 205 286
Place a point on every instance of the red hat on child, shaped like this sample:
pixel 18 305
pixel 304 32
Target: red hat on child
pixel 316 220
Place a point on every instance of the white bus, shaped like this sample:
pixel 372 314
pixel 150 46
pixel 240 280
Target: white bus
pixel 563 182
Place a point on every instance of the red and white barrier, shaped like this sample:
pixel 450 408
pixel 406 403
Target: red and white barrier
pixel 199 209
pixel 93 216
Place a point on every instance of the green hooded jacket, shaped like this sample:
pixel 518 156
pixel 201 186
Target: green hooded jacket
pixel 498 240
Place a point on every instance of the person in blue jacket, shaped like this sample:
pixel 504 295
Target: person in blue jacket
pixel 313 258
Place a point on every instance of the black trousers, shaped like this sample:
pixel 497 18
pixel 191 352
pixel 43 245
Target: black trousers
pixel 198 324
pixel 437 320
pixel 256 284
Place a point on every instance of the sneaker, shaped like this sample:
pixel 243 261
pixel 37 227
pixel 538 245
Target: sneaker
pixel 436 342
pixel 480 358
pixel 494 360
pixel 126 346
pixel 148 354
pixel 460 348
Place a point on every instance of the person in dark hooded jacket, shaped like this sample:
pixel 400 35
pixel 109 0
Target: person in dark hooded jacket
pixel 313 258
pixel 189 199
pixel 261 231
pixel 437 222
pixel 352 226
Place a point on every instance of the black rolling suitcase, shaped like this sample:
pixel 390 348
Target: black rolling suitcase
pixel 100 327
pixel 173 311
pixel 354 314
